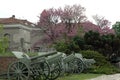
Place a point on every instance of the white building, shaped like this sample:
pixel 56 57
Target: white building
pixel 21 33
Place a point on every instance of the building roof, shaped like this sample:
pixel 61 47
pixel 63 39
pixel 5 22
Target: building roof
pixel 13 20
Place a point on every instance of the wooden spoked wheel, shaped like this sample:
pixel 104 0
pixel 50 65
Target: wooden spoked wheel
pixel 75 66
pixel 78 65
pixel 18 71
pixel 41 70
pixel 55 71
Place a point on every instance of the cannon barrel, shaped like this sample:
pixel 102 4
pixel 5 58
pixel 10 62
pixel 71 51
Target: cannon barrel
pixel 91 61
pixel 54 58
pixel 69 58
pixel 43 55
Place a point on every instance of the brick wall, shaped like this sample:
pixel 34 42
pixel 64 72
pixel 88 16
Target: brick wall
pixel 4 63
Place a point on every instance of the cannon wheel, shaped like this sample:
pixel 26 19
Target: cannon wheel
pixel 18 71
pixel 75 66
pixel 55 71
pixel 78 65
pixel 43 69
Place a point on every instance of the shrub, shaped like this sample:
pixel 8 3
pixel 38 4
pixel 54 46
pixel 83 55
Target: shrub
pixel 105 70
pixel 62 47
pixel 79 41
pixel 102 65
pixel 88 47
pixel 67 48
pixel 99 58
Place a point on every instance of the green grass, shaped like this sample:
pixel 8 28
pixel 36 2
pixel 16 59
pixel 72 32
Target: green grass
pixel 79 76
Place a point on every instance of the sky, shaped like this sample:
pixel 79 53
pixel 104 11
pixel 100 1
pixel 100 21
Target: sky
pixel 31 9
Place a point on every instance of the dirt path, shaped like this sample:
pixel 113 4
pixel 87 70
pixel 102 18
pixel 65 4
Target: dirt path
pixel 108 77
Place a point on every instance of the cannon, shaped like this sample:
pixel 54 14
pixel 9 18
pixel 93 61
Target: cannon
pixel 29 68
pixel 86 62
pixel 75 63
pixel 55 66
pixel 72 64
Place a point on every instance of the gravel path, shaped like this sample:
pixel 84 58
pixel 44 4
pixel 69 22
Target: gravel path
pixel 108 77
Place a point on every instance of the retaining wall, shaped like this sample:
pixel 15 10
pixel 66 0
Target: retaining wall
pixel 4 63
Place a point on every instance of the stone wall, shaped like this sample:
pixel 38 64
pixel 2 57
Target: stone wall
pixel 4 63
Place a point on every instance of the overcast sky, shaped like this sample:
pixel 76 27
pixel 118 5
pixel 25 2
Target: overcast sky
pixel 30 9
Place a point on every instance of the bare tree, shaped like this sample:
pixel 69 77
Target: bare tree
pixel 101 21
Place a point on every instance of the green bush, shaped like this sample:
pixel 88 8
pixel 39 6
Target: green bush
pixel 66 47
pixel 62 47
pixel 79 41
pixel 102 65
pixel 88 47
pixel 105 70
pixel 99 58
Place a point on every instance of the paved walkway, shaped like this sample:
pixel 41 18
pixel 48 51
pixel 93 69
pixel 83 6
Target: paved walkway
pixel 107 77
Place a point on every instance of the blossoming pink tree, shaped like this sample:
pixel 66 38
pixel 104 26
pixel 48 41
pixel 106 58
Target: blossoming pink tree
pixel 56 23
pixel 64 23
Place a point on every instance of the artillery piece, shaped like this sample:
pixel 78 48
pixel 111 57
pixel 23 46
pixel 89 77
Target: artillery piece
pixel 75 63
pixel 86 62
pixel 72 64
pixel 27 68
pixel 54 64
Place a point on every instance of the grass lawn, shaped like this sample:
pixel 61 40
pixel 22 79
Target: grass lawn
pixel 79 76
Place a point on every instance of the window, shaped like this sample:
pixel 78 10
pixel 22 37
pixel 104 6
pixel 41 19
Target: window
pixel 7 35
pixel 22 42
